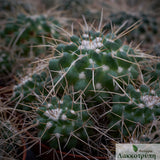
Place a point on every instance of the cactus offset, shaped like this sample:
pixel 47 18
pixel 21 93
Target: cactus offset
pixel 137 107
pixel 61 120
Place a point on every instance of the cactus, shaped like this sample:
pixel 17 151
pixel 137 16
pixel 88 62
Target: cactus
pixel 138 107
pixel 93 61
pixel 82 74
pixel 145 32
pixel 24 32
pixel 20 37
pixel 61 120
pixel 86 65
pixel 80 69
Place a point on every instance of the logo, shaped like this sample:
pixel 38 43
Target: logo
pixel 135 148
pixel 137 151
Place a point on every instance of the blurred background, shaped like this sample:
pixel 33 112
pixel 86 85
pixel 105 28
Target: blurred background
pixel 23 23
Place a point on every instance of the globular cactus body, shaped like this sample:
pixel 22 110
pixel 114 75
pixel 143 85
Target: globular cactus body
pixel 24 32
pixel 137 107
pixel 20 37
pixel 94 60
pixel 84 65
pixel 60 120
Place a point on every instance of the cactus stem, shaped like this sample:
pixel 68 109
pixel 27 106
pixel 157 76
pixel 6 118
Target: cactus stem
pixel 64 74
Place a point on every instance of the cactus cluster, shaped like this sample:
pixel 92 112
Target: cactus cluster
pixel 87 67
pixel 138 107
pixel 84 65
pixel 145 32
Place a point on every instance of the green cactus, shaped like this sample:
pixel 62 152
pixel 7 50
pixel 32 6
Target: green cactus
pixel 60 120
pixel 20 36
pixel 94 60
pixel 30 88
pixel 155 73
pixel 145 32
pixel 137 107
pixel 86 68
pixel 57 117
pixel 24 32
pixel 86 65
